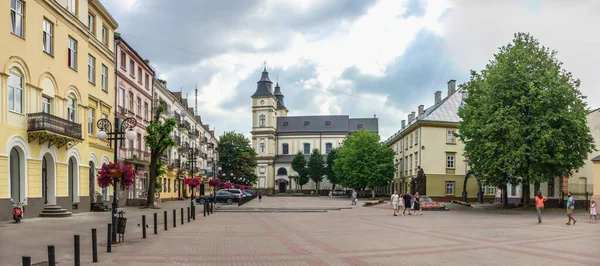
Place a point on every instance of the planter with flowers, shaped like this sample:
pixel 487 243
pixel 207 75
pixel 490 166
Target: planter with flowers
pixel 227 185
pixel 238 186
pixel 112 173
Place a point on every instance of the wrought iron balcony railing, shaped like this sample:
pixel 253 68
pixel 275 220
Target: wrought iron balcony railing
pixel 55 130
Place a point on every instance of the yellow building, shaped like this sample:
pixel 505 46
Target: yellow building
pixel 56 81
pixel 429 156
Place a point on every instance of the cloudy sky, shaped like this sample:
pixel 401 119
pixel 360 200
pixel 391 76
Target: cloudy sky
pixel 350 57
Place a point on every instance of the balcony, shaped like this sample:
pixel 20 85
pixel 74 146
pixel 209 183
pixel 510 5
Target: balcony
pixel 177 117
pixel 54 130
pixel 184 125
pixel 178 140
pixel 138 156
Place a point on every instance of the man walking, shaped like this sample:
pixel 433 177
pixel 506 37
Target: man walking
pixel 394 202
pixel 570 208
pixel 407 202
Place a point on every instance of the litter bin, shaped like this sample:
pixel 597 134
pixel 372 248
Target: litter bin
pixel 121 225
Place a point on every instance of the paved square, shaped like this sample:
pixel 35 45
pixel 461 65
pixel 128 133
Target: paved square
pixel 355 236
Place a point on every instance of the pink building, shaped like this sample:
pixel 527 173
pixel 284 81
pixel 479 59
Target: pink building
pixel 134 99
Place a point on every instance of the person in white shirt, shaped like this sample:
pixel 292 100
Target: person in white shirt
pixel 394 202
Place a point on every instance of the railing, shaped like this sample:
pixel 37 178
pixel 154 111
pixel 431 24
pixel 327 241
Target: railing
pixel 178 140
pixel 45 121
pixel 184 124
pixel 139 154
pixel 177 117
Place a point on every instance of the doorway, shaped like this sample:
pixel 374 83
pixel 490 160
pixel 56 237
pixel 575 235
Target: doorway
pixel 92 184
pixel 73 179
pixel 282 187
pixel 15 175
pixel 48 180
pixel 45 180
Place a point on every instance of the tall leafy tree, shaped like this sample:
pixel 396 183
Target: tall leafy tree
pixel 316 167
pixel 524 119
pixel 299 166
pixel 331 176
pixel 158 138
pixel 363 161
pixel 237 157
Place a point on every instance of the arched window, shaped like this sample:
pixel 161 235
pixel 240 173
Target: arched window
pixel 15 91
pixel 71 107
pixel 281 171
pixel 262 147
pixel 262 120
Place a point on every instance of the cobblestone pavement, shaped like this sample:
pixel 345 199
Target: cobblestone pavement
pixel 357 236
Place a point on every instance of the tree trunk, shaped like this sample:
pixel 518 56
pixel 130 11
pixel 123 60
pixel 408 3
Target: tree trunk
pixel 372 193
pixel 151 182
pixel 505 195
pixel 526 193
pixel 332 187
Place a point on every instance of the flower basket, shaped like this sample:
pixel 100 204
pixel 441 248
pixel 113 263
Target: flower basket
pixel 112 171
pixel 215 182
pixel 227 185
pixel 238 186
pixel 193 182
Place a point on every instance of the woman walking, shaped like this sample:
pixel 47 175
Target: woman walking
pixel 417 204
pixel 260 196
pixel 354 197
pixel 570 208
pixel 593 210
pixel 539 205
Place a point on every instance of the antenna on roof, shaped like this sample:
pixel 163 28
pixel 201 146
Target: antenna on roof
pixel 374 114
pixel 196 99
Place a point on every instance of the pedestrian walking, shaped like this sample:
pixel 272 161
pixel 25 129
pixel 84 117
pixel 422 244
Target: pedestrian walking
pixel 354 197
pixel 401 205
pixel 417 205
pixel 570 208
pixel 330 194
pixel 394 202
pixel 260 196
pixel 407 202
pixel 539 205
pixel 593 210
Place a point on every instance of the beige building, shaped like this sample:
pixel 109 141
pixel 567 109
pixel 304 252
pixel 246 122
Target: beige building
pixel 277 137
pixel 56 75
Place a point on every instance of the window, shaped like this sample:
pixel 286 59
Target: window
pixel 131 101
pixel 121 96
pixel 450 161
pixel 490 190
pixel 513 190
pixel 449 187
pixel 72 53
pixel 123 60
pixel 406 144
pixel 406 163
pixel 139 106
pixel 71 108
pixel 16 17
pixel 262 147
pixel 72 6
pixel 416 160
pixel 46 105
pixel 47 38
pixel 91 69
pixel 262 119
pixel 306 148
pixel 131 68
pixel 165 185
pixel 147 83
pixel 285 148
pixel 416 137
pixel 139 142
pixel 146 111
pixel 91 122
pixel 410 161
pixel 139 74
pixel 450 136
pixel 92 24
pixel 169 184
pixel 328 147
pixel 104 35
pixel 551 188
pixel 15 92
pixel 104 78
pixel 411 139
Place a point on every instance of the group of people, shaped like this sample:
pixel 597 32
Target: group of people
pixel 539 205
pixel 406 203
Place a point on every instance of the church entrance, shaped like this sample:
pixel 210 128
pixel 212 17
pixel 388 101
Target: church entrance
pixel 282 187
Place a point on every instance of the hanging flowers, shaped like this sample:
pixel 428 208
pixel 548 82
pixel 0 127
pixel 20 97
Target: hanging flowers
pixel 193 182
pixel 227 185
pixel 238 186
pixel 120 172
pixel 215 182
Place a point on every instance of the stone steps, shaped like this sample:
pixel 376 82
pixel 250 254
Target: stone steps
pixel 54 211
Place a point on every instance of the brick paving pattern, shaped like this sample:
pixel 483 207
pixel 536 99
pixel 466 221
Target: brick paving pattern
pixel 357 236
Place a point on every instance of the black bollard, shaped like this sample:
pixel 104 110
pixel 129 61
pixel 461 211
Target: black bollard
pixel 165 220
pixel 26 261
pixel 51 256
pixel 77 251
pixel 174 218
pixel 204 209
pixel 94 246
pixel 194 212
pixel 189 214
pixel 143 226
pixel 181 215
pixel 155 223
pixel 108 240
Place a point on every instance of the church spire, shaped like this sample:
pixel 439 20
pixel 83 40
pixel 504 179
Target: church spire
pixel 264 86
pixel 279 95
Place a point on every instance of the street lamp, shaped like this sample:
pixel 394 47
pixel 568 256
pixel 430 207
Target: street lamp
pixel 193 153
pixel 104 134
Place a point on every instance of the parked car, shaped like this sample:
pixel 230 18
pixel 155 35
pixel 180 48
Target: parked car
pixel 339 192
pixel 223 196
pixel 247 193
pixel 234 191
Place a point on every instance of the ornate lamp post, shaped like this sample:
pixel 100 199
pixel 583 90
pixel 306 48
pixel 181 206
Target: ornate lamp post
pixel 119 134
pixel 181 150
pixel 193 154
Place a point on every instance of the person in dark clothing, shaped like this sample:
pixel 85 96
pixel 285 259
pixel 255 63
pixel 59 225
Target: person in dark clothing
pixel 407 201
pixel 260 196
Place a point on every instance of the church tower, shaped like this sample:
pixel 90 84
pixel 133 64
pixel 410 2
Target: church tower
pixel 264 124
pixel 281 109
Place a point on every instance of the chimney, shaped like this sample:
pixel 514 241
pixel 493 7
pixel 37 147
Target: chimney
pixel 438 97
pixel 412 115
pixel 403 123
pixel 451 87
pixel 421 109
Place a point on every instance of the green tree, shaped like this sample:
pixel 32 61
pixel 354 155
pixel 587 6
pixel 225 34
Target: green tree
pixel 237 157
pixel 299 166
pixel 316 167
pixel 331 176
pixel 363 161
pixel 524 119
pixel 158 138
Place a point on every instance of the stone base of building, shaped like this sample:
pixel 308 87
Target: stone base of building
pixel 35 206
